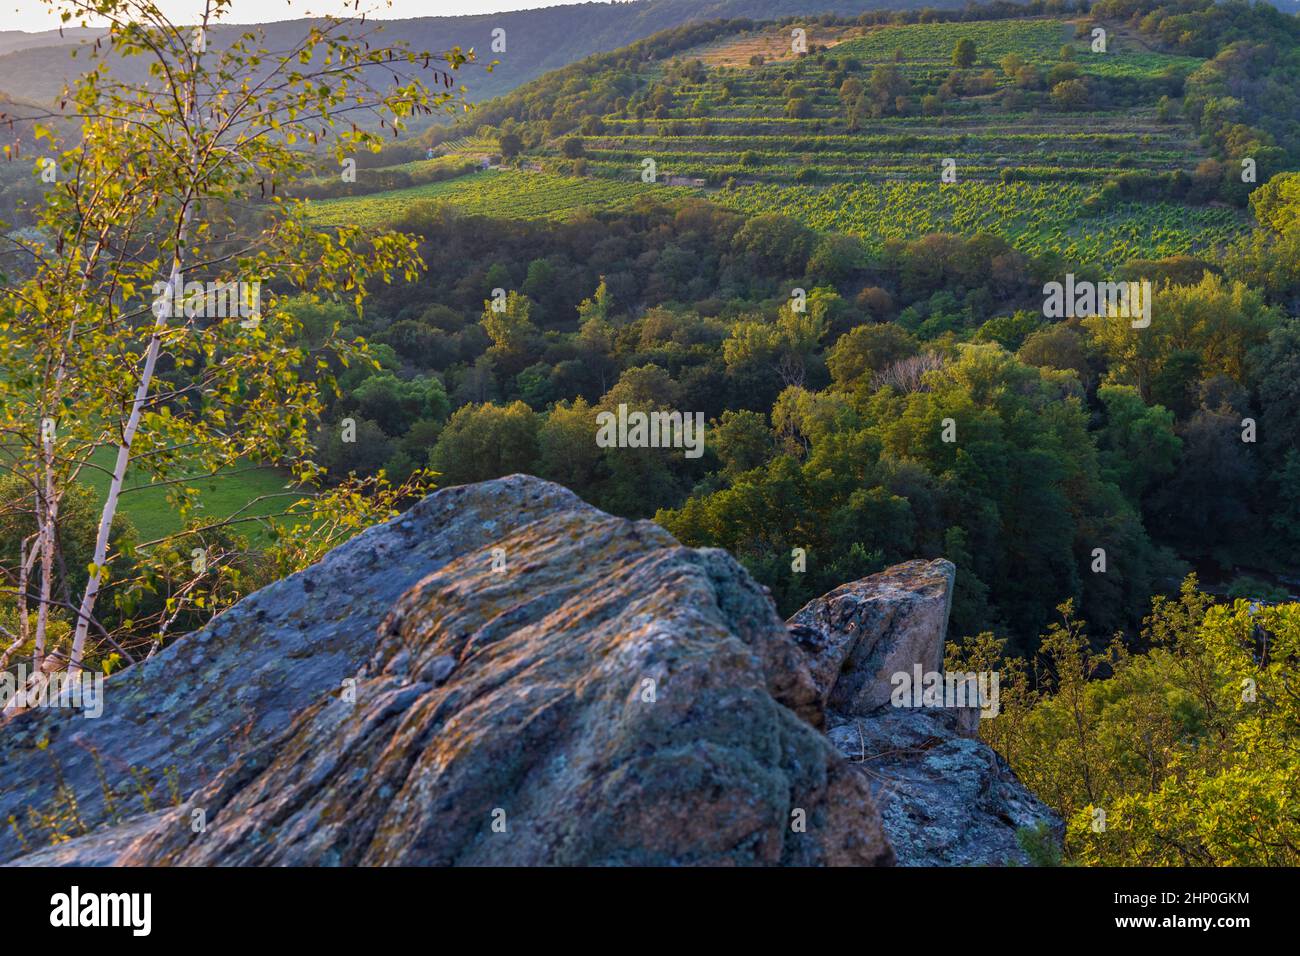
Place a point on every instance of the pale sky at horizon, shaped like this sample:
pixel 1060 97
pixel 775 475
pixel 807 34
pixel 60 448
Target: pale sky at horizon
pixel 34 15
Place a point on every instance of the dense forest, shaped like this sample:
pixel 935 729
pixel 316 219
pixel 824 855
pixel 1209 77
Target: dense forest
pixel 827 426
pixel 826 405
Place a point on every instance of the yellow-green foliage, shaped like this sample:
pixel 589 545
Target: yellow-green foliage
pixel 1189 751
pixel 14 650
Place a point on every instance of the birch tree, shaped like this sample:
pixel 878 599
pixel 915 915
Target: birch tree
pixel 143 332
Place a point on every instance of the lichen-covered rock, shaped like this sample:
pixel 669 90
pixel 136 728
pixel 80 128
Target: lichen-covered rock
pixel 858 635
pixel 946 798
pixel 192 709
pixel 506 675
pixel 563 688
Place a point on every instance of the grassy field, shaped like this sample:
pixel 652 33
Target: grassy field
pixel 504 194
pixel 153 517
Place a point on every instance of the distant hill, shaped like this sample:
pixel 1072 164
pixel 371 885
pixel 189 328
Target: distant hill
pixel 34 66
pixel 1055 147
pixel 16 123
pixel 11 40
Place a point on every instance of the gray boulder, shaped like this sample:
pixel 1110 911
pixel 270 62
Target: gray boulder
pixel 506 675
pixel 171 724
pixel 569 688
pixel 946 798
pixel 862 632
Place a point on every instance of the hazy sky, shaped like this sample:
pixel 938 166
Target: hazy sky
pixel 34 14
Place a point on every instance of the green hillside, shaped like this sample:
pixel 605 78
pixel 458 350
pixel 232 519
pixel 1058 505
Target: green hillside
pixel 863 129
pixel 874 130
pixel 224 495
pixel 505 194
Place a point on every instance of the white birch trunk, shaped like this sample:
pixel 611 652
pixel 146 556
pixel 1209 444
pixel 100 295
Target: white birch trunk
pixel 119 471
pixel 172 295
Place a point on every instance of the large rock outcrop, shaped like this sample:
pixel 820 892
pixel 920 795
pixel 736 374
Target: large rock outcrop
pixel 863 632
pixel 192 709
pixel 946 798
pixel 506 675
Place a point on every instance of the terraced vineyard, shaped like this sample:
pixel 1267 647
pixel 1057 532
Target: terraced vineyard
pixel 761 130
pixel 468 145
pixel 933 42
pixel 774 149
pixel 734 123
pixel 1035 41
pixel 1035 218
pixel 778 134
pixel 504 194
